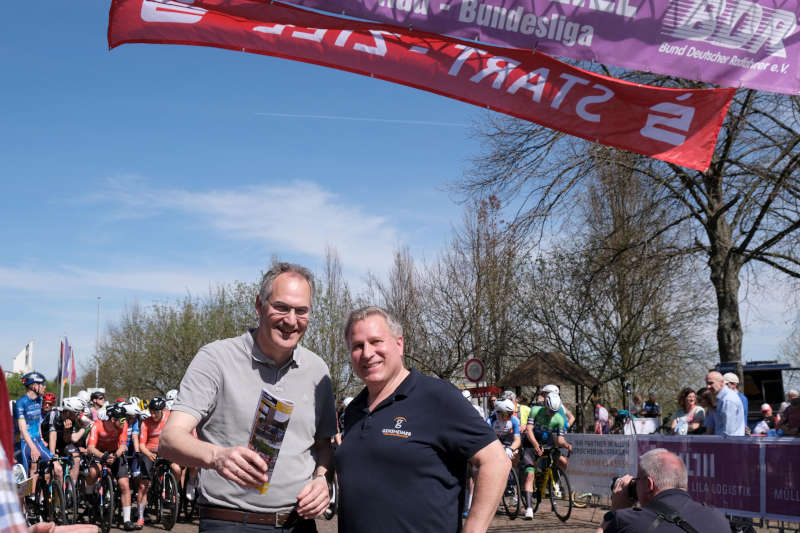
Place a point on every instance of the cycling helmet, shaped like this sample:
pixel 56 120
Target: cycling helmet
pixel 504 406
pixel 142 405
pixel 347 401
pixel 134 400
pixel 157 404
pixel 553 401
pixel 550 388
pixel 49 397
pixel 84 397
pixel 172 395
pixel 98 394
pixel 74 404
pixel 131 409
pixel 115 411
pixel 32 377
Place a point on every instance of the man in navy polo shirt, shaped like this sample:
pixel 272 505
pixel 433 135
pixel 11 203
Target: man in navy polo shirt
pixel 407 441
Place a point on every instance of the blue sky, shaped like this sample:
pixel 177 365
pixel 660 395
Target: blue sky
pixel 145 172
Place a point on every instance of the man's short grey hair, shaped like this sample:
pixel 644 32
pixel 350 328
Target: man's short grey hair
pixel 666 469
pixel 358 315
pixel 267 281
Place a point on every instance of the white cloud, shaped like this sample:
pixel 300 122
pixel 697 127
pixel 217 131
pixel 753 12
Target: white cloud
pixel 299 217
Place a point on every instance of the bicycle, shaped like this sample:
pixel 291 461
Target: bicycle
pixel 552 483
pixel 512 500
pixel 108 506
pixel 189 505
pixel 163 494
pixel 70 491
pixel 47 503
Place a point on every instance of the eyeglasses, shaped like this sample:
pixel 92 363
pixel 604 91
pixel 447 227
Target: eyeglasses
pixel 284 309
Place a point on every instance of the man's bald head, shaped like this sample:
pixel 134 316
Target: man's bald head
pixel 665 469
pixel 715 381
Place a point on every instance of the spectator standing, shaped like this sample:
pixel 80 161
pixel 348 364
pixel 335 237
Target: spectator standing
pixel 791 395
pixel 767 423
pixel 708 401
pixel 220 393
pixel 651 409
pixel 689 417
pixel 636 406
pixel 790 421
pixel 729 417
pixel 408 439
pixel 732 382
pixel 601 423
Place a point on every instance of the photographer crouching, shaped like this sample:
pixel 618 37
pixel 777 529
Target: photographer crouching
pixel 664 505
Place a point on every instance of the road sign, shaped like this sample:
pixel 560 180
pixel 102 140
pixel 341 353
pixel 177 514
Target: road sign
pixel 474 370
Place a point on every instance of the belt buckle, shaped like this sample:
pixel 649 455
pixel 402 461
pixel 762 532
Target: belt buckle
pixel 278 520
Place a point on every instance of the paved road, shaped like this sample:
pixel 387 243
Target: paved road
pixel 582 520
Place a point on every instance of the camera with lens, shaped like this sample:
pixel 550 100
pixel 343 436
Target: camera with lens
pixel 630 490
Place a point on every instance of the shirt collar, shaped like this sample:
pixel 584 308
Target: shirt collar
pixel 400 393
pixel 258 356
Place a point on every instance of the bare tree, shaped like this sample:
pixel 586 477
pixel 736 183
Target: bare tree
pixel 743 211
pixel 332 303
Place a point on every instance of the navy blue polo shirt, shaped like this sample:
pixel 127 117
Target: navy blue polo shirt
pixel 402 467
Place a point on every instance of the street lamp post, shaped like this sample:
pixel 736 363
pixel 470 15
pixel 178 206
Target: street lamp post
pixel 96 347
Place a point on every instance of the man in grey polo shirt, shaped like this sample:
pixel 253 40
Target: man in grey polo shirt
pixel 219 395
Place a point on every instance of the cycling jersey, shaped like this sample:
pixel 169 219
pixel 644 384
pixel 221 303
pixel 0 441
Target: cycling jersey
pixel 151 431
pixel 506 431
pixel 31 412
pixel 133 433
pixel 546 427
pixel 106 437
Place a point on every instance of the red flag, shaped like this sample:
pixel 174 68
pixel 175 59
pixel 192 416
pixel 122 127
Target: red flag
pixel 679 126
pixel 73 375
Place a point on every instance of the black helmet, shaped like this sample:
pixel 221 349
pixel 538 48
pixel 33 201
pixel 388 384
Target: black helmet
pixel 157 404
pixel 97 394
pixel 32 377
pixel 116 411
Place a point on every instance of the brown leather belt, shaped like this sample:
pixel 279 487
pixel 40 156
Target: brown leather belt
pixel 244 517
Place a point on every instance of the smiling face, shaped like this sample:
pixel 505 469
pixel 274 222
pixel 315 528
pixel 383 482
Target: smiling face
pixel 715 382
pixel 284 317
pixel 375 352
pixel 689 403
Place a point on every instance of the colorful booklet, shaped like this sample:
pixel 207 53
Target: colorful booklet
pixel 269 427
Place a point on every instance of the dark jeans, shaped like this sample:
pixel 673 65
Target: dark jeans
pixel 208 525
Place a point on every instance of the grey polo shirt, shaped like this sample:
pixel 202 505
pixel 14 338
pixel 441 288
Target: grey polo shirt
pixel 221 389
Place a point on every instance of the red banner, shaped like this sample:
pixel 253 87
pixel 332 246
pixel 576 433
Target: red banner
pixel 678 126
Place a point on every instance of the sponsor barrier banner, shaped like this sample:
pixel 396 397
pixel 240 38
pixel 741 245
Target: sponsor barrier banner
pixel 678 126
pixel 750 43
pixel 743 476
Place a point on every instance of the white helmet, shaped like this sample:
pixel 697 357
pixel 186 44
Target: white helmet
pixel 84 396
pixel 74 404
pixel 504 406
pixel 347 401
pixel 553 401
pixel 550 388
pixel 134 400
pixel 131 409
pixel 171 395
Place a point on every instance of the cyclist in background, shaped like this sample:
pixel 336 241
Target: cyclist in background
pixel 98 399
pixel 107 442
pixel 132 452
pixel 72 431
pixel 28 417
pixel 545 428
pixel 506 427
pixel 148 444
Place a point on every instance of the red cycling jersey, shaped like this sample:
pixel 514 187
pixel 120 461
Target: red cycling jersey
pixel 106 437
pixel 151 431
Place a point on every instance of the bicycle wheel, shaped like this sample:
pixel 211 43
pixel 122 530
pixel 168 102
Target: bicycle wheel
pixel 81 501
pixel 41 501
pixel 511 495
pixel 106 503
pixel 170 494
pixel 56 509
pixel 561 495
pixel 70 500
pixel 581 500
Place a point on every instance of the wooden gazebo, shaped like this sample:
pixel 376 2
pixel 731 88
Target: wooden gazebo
pixel 543 368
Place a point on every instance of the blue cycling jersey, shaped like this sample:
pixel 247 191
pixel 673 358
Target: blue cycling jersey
pixel 30 411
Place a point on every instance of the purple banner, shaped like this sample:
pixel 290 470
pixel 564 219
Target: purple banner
pixel 725 474
pixel 749 43
pixel 783 481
